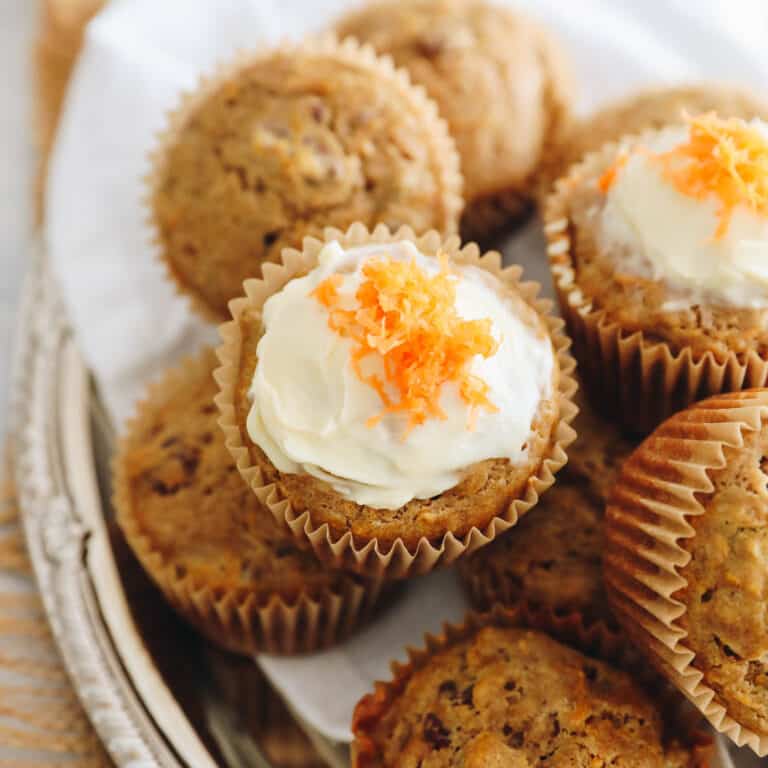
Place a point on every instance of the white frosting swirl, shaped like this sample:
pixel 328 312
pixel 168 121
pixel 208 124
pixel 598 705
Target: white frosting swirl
pixel 659 233
pixel 309 408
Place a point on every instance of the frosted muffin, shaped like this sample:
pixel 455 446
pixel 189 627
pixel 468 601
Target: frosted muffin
pixel 489 694
pixel 498 79
pixel 396 400
pixel 649 110
pixel 285 143
pixel 686 554
pixel 657 247
pixel 218 556
pixel 552 559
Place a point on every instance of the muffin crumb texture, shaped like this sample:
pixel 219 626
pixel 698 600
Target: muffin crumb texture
pixel 189 504
pixel 284 147
pixel 514 697
pixel 552 558
pixel 726 616
pixel 488 69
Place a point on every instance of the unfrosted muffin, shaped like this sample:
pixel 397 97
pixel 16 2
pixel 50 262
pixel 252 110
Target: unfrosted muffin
pixel 512 697
pixel 203 537
pixel 687 555
pixel 650 110
pixel 498 79
pixel 285 143
pixel 552 559
pixel 406 397
pixel 658 248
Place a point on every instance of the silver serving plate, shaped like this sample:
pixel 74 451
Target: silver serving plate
pixel 152 706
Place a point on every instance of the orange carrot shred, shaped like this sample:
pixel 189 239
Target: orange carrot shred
pixel 408 318
pixel 608 179
pixel 725 158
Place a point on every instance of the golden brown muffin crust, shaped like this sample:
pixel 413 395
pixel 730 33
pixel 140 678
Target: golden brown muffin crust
pixel 636 303
pixel 498 80
pixel 553 557
pixel 485 492
pixel 514 697
pixel 288 145
pixel 726 597
pixel 189 501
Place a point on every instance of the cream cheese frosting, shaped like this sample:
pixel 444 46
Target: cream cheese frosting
pixel 657 232
pixel 310 412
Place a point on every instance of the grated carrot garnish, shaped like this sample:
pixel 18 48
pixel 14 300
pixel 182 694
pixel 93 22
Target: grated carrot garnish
pixel 608 179
pixel 725 158
pixel 408 319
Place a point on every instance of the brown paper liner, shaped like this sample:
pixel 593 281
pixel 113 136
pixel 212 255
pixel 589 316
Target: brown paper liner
pixel 486 590
pixel 635 381
pixel 348 51
pixel 343 552
pixel 590 640
pixel 240 619
pixel 644 526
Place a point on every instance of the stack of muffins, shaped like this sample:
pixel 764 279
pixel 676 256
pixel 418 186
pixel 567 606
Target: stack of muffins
pixel 386 400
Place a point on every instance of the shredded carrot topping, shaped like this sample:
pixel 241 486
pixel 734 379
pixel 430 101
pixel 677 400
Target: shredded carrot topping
pixel 607 180
pixel 727 158
pixel 408 318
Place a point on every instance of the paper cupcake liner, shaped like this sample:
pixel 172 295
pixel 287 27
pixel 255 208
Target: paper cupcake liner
pixel 239 619
pixel 488 588
pixel 635 381
pixel 643 555
pixel 349 52
pixel 589 640
pixel 369 559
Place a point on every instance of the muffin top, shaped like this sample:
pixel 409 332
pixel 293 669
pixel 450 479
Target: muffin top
pixel 651 110
pixel 383 390
pixel 670 234
pixel 488 69
pixel 289 143
pixel 512 697
pixel 727 583
pixel 187 502
pixel 553 557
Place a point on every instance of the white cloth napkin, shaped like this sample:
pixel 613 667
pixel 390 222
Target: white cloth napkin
pixel 138 55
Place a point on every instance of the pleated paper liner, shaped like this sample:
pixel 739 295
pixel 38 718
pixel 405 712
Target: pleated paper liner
pixel 589 640
pixel 633 380
pixel 239 618
pixel 342 551
pixel 488 589
pixel 348 52
pixel 647 518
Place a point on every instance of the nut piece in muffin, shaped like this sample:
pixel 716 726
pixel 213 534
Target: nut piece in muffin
pixel 649 110
pixel 687 557
pixel 286 143
pixel 512 697
pixel 203 537
pixel 498 79
pixel 395 390
pixel 658 248
pixel 553 558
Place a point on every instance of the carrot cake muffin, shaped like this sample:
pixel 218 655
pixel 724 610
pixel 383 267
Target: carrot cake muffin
pixel 285 143
pixel 512 697
pixel 394 390
pixel 203 537
pixel 552 558
pixel 657 247
pixel 650 110
pixel 498 79
pixel 687 557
